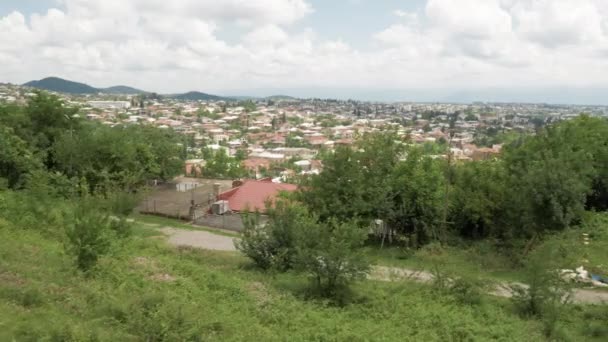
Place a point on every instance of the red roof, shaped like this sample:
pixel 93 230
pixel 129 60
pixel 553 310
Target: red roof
pixel 253 194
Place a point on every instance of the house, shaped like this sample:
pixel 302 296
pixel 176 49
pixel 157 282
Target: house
pixel 194 167
pixel 252 195
pixel 256 164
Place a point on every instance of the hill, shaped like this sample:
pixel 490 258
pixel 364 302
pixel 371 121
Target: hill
pixel 122 90
pixel 62 86
pixel 203 295
pixel 198 96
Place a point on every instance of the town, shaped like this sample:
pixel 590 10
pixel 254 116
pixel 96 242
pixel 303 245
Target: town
pixel 281 137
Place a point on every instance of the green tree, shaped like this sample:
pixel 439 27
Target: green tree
pixel 331 253
pixel 417 197
pixel 49 117
pixel 16 159
pixel 478 199
pixel 274 244
pixel 549 181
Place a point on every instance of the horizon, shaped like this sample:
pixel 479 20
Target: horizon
pixel 508 51
pixel 387 95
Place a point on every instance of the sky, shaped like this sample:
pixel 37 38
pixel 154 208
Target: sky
pixel 411 50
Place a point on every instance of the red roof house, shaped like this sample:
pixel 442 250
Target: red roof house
pixel 253 194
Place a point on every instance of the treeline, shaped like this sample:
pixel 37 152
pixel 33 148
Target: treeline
pixel 77 181
pixel 47 139
pixel 540 184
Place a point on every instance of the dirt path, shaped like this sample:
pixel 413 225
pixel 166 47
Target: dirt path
pixel 199 239
pixel 207 240
pixel 384 273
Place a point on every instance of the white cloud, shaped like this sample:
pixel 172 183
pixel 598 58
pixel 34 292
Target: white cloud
pixel 173 46
pixel 266 35
pixel 470 19
pixel 556 23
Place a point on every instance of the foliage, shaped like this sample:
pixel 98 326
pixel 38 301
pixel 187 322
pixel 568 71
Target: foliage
pixel 220 165
pixel 248 105
pixel 331 254
pixel 354 183
pixel 47 130
pixel 417 196
pixel 87 235
pixel 549 181
pixel 293 238
pixel 545 292
pixel 478 198
pixel 211 296
pixel 273 244
pixel 16 160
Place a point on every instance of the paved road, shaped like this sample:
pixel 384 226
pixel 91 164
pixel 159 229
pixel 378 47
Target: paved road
pixel 207 240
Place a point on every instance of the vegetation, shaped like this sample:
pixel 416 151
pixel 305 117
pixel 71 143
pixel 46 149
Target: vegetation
pixel 72 267
pixel 218 164
pixel 542 183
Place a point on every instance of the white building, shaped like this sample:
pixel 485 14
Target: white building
pixel 110 104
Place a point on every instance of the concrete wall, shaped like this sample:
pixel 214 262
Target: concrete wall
pixel 232 222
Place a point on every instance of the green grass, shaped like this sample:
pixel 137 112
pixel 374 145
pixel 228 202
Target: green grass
pixel 144 290
pixel 481 260
pixel 169 222
pixel 472 261
pixel 593 256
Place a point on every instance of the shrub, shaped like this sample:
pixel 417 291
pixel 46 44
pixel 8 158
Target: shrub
pixel 331 253
pixel 256 242
pixel 273 244
pixel 468 291
pixel 88 235
pixel 545 293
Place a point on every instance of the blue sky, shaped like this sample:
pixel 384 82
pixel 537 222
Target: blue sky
pixel 536 50
pixel 26 6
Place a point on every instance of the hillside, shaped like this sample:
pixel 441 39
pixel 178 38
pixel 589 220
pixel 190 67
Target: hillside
pixel 150 292
pixel 60 85
pixel 122 90
pixel 198 96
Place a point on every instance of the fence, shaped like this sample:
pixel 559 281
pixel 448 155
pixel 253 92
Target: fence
pixel 166 200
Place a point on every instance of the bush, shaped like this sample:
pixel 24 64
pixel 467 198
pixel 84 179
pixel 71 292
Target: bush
pixel 546 292
pixel 293 238
pixel 468 291
pixel 256 242
pixel 88 235
pixel 465 290
pixel 273 244
pixel 331 253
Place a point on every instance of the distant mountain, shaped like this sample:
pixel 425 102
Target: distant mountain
pixel 198 96
pixel 62 86
pixel 122 90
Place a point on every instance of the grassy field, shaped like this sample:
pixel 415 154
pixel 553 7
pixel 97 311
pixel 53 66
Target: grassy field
pixel 481 259
pixel 144 290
